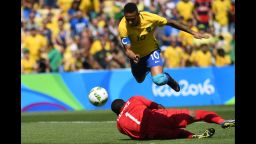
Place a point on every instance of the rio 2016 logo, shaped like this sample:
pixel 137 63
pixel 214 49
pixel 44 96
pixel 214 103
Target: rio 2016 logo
pixel 188 89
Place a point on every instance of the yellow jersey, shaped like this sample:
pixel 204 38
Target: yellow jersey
pixel 201 58
pixel 142 38
pixel 96 47
pixel 185 9
pixel 34 44
pixel 173 56
pixel 221 11
pixel 27 65
pixel 64 4
pixel 223 61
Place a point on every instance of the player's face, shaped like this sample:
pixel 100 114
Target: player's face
pixel 132 18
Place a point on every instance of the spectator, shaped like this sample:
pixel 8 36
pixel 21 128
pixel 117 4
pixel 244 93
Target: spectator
pixel 222 59
pixel 78 23
pixel 89 62
pixel 64 5
pixel 31 22
pixel 73 9
pixel 63 35
pixel 153 6
pixel 50 4
pixel 116 58
pixel 42 64
pixel 45 31
pixel 166 34
pixel 103 54
pixel 78 60
pixel 202 12
pixel 34 42
pixel 185 9
pixel 93 27
pixel 26 9
pixel 52 24
pixel 86 39
pixel 202 57
pixel 69 58
pixel 173 55
pixel 186 60
pixel 27 64
pixel 224 41
pixel 220 9
pixel 55 58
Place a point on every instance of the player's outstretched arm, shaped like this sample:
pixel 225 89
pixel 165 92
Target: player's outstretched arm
pixel 130 54
pixel 185 28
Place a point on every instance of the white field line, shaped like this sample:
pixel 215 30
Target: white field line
pixel 81 122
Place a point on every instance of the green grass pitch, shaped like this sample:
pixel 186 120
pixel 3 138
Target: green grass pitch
pixel 99 127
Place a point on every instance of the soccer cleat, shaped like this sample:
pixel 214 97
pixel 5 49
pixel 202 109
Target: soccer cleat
pixel 228 124
pixel 172 83
pixel 206 134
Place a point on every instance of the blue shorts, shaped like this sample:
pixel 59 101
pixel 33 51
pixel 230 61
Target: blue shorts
pixel 146 62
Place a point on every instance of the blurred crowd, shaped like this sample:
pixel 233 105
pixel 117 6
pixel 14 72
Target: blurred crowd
pixel 74 35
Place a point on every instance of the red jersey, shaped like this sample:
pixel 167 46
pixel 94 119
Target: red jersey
pixel 202 8
pixel 131 115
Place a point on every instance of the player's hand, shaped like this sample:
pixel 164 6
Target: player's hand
pixel 200 35
pixel 136 59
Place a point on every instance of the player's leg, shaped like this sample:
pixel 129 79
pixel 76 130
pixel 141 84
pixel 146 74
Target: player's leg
pixel 155 63
pixel 211 117
pixel 139 71
pixel 165 133
pixel 180 118
pixel 166 124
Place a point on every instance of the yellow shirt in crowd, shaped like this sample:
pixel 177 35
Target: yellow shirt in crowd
pixel 64 4
pixel 34 44
pixel 173 56
pixel 185 9
pixel 87 5
pixel 27 65
pixel 202 59
pixel 221 11
pixel 222 61
pixel 96 46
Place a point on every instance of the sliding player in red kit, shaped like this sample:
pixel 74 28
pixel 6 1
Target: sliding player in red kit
pixel 140 118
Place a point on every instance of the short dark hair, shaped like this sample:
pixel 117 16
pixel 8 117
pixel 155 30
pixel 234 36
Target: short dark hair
pixel 221 52
pixel 130 7
pixel 116 105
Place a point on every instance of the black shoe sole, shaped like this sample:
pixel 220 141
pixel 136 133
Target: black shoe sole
pixel 173 84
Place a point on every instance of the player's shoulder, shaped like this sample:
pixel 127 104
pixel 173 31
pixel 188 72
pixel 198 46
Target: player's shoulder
pixel 122 23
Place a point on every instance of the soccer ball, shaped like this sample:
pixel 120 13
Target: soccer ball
pixel 98 96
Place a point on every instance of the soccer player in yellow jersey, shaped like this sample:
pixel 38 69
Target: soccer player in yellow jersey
pixel 136 30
